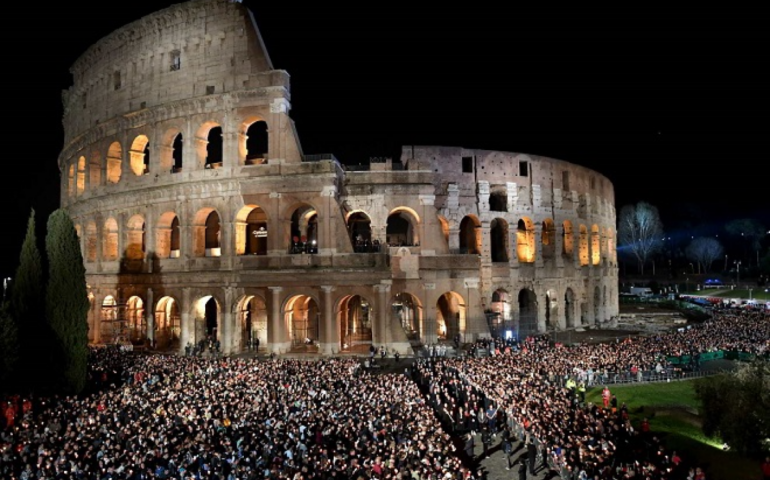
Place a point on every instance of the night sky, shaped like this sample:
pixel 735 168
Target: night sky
pixel 671 105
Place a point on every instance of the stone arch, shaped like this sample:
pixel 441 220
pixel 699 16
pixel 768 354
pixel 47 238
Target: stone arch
pixel 403 227
pixel 135 238
pixel 304 234
pixel 139 155
pixel 206 233
pixel 207 314
pixel 302 318
pixel 80 180
pixel 251 231
pixel 568 240
pixel 168 324
pixel 527 313
pixel 597 304
pixel 208 145
pixel 110 240
pixel 253 144
pixel 450 315
pixel 114 162
pixel 525 240
pixel 548 240
pixel 407 309
pixel 500 314
pixel 444 223
pixel 355 319
pixel 251 322
pixel 135 322
pixel 168 237
pixel 498 199
pixel 583 246
pixel 470 235
pixel 90 253
pixel 611 251
pixel 569 308
pixel 109 318
pixel 94 170
pixel 172 150
pixel 498 233
pixel 360 231
pixel 596 245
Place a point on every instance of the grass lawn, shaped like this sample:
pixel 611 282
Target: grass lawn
pixel 671 409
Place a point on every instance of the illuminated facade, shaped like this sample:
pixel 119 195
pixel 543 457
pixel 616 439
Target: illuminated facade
pixel 200 216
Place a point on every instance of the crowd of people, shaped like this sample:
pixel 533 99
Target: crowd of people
pixel 191 417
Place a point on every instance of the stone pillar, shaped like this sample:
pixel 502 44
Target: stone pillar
pixel 277 335
pixel 99 301
pixel 428 331
pixel 187 334
pixel 330 336
pixel 149 312
pixel 382 334
pixel 122 232
pixel 228 325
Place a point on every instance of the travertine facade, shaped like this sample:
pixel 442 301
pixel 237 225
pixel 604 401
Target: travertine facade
pixel 200 216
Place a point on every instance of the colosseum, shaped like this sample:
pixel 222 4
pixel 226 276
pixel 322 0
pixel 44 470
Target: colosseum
pixel 200 216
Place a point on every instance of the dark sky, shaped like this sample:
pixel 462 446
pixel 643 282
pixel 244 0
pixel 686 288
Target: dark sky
pixel 672 105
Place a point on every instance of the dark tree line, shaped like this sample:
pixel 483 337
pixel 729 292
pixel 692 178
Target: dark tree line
pixel 43 325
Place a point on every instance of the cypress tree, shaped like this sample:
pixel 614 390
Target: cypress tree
pixel 26 309
pixel 67 301
pixel 9 349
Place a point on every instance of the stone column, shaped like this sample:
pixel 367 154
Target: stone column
pixel 428 332
pixel 382 334
pixel 228 327
pixel 277 336
pixel 187 333
pixel 330 337
pixel 149 313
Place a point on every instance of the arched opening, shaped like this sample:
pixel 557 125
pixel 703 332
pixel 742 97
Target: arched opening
pixel 450 316
pixel 302 317
pixel 527 313
pixel 470 235
pixel 81 176
pixel 304 230
pixel 597 305
pixel 90 242
pixel 137 330
pixel 551 312
pixel 251 231
pixel 500 313
pixel 548 238
pixel 139 155
pixel 569 308
pixel 256 143
pixel 110 322
pixel 177 153
pixel 252 323
pixel 525 241
pixel 206 234
pixel 596 245
pixel 110 240
pixel 71 181
pixel 360 231
pixel 401 229
pixel 583 246
pixel 168 324
pixel 167 236
pixel 135 239
pixel 568 241
pixel 355 316
pixel 214 148
pixel 114 162
pixel 499 240
pixel 208 326
pixel 408 311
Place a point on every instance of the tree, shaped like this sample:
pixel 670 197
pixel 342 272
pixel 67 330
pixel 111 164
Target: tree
pixel 9 347
pixel 26 309
pixel 640 231
pixel 67 300
pixel 704 250
pixel 736 406
pixel 749 229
